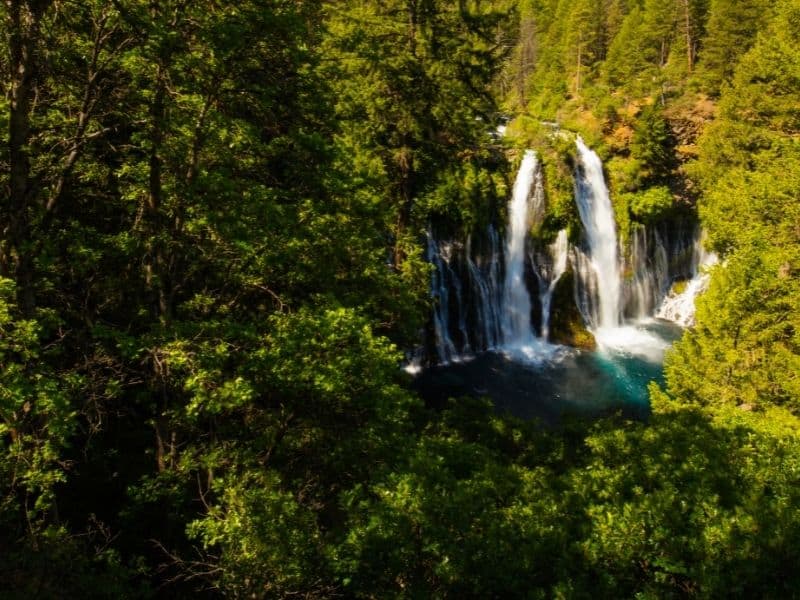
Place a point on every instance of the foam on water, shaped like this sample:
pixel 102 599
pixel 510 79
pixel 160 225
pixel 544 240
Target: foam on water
pixel 632 340
pixel 537 352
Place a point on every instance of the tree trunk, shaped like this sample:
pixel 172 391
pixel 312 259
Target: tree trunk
pixel 527 58
pixel 578 73
pixel 16 260
pixel 156 274
pixel 406 170
pixel 412 27
pixel 687 13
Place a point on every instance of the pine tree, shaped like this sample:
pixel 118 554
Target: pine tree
pixel 731 31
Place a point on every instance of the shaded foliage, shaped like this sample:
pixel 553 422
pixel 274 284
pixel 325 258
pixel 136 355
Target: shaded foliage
pixel 210 254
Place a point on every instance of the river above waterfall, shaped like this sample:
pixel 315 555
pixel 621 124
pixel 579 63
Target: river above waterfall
pixel 561 381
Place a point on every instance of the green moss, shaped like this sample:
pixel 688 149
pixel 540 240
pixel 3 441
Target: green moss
pixel 679 287
pixel 466 196
pixel 624 174
pixel 652 204
pixel 622 215
pixel 556 150
pixel 566 322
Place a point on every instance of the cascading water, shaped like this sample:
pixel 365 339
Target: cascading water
pixel 481 300
pixel 651 278
pixel 659 256
pixel 483 282
pixel 440 289
pixel 466 312
pixel 597 216
pixel 559 253
pixel 599 272
pixel 517 330
pixel 679 307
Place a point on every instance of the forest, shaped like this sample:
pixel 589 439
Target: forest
pixel 218 238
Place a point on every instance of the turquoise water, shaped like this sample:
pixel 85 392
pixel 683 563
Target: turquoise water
pixel 571 382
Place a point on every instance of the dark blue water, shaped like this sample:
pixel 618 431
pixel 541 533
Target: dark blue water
pixel 586 384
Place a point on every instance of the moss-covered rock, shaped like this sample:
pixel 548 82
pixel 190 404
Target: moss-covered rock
pixel 566 322
pixel 556 150
pixel 678 287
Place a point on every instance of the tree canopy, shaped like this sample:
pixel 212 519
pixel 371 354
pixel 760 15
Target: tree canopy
pixel 212 261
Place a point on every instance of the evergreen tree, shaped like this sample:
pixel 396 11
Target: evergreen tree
pixel 731 31
pixel 210 253
pixel 413 88
pixel 745 348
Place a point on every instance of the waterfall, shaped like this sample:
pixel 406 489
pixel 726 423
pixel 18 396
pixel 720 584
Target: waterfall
pixel 480 294
pixel 597 216
pixel 559 253
pixel 516 299
pixel 679 306
pixel 599 273
pixel 487 296
pixel 479 286
pixel 586 288
pixel 649 263
pixel 466 312
pixel 495 291
pixel 440 290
